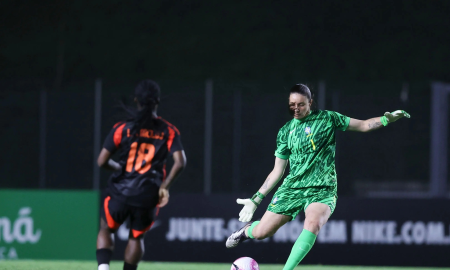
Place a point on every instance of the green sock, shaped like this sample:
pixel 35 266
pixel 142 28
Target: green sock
pixel 301 247
pixel 250 229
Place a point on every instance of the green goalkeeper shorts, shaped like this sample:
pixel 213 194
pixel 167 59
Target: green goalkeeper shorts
pixel 290 201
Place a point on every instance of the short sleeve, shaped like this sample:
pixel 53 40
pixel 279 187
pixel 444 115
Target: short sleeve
pixel 282 151
pixel 174 140
pixel 112 141
pixel 339 121
pixel 176 145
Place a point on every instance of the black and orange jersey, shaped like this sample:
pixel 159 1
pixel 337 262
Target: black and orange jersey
pixel 143 156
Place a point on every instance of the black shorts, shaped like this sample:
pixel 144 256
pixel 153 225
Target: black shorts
pixel 115 212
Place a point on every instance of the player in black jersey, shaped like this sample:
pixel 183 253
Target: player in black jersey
pixel 139 186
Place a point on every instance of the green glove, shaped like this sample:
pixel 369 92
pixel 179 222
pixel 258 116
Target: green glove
pixel 393 116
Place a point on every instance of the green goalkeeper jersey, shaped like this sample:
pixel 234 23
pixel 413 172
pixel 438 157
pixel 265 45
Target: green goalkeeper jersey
pixel 309 144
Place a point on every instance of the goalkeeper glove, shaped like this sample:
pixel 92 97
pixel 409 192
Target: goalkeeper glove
pixel 250 205
pixel 393 116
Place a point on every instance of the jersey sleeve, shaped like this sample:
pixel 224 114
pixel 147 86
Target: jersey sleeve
pixel 283 151
pixel 176 146
pixel 174 141
pixel 112 141
pixel 339 121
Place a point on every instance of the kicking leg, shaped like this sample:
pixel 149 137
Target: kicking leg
pixel 268 226
pixel 316 215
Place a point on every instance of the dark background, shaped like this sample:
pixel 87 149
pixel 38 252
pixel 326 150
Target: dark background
pixel 395 158
pixel 367 53
pixel 67 41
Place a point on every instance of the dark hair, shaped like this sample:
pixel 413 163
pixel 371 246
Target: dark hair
pixel 302 90
pixel 147 93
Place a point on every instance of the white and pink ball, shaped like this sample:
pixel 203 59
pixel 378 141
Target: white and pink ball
pixel 244 263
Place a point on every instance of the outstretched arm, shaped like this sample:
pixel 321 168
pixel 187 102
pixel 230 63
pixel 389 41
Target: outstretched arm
pixel 365 125
pixel 376 122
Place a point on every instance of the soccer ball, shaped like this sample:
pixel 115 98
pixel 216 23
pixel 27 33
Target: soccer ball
pixel 245 263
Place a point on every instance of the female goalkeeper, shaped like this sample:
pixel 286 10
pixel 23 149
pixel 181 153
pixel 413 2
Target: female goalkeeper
pixel 308 142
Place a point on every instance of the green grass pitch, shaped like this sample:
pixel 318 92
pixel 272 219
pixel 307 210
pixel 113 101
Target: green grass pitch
pixel 115 265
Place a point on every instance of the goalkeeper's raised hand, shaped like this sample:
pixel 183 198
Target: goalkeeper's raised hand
pixel 393 116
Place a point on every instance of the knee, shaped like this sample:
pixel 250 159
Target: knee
pixel 313 225
pixel 135 250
